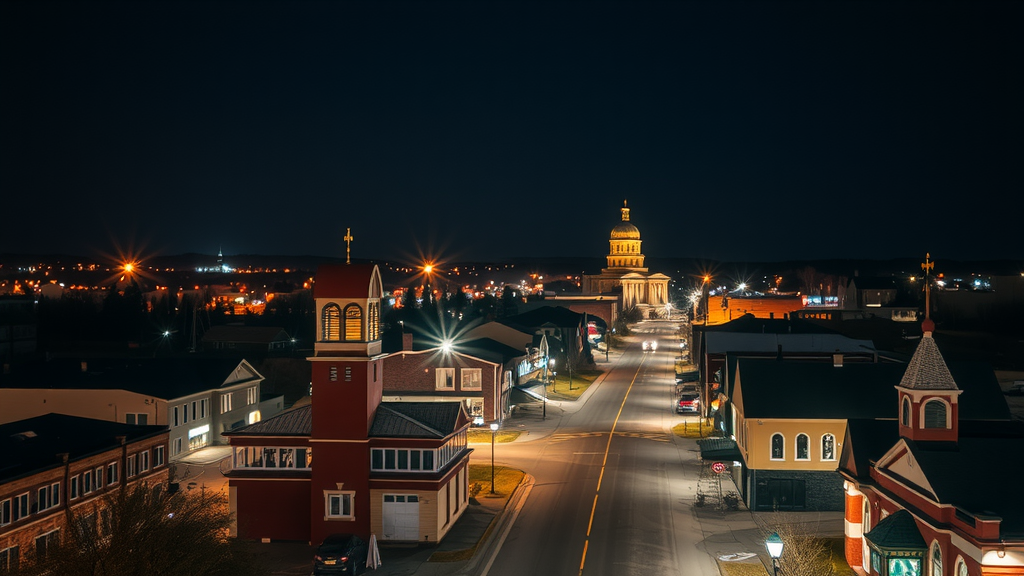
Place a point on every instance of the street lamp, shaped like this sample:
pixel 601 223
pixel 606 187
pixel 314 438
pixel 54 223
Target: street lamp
pixel 774 545
pixel 494 432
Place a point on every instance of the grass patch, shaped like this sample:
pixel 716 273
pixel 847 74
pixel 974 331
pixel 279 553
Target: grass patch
pixel 475 436
pixel 693 429
pixel 506 480
pixel 559 390
pixel 837 546
pixel 742 569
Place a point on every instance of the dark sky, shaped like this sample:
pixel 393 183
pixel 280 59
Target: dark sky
pixel 752 131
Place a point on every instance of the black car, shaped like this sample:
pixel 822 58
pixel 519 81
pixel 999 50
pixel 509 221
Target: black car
pixel 340 554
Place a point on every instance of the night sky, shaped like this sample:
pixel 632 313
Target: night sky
pixel 753 131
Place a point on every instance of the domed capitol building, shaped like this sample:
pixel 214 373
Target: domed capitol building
pixel 626 272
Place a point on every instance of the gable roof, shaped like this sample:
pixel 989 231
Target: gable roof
pixel 417 419
pixel 488 349
pixel 551 315
pixel 32 445
pixel 165 378
pixel 867 440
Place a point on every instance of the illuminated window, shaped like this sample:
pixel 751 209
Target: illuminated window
pixel 803 447
pixel 961 567
pixel 444 378
pixel 828 447
pixel 935 414
pixel 778 447
pixel 471 378
pixel 331 321
pixel 374 321
pixel 353 323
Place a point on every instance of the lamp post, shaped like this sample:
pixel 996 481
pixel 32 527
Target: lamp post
pixel 774 545
pixel 494 432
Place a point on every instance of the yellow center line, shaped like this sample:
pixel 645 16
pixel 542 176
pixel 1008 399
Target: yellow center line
pixel 604 462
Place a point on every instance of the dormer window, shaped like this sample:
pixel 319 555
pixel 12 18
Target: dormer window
pixel 935 414
pixel 353 323
pixel 331 323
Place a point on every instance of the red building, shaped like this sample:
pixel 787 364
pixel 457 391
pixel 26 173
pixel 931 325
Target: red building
pixel 348 462
pixel 931 493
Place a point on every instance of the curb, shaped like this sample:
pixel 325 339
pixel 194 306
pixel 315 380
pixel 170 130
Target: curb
pixel 501 524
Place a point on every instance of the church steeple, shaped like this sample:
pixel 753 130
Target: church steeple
pixel 928 395
pixel 624 246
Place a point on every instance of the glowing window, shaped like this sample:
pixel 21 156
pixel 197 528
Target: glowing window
pixel 828 447
pixel 331 322
pixel 353 323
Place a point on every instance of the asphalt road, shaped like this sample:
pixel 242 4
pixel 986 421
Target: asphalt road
pixel 613 486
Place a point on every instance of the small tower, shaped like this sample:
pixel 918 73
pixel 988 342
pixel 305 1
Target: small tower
pixel 928 396
pixel 624 246
pixel 347 385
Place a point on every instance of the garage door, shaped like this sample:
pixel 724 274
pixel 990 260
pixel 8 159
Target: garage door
pixel 401 517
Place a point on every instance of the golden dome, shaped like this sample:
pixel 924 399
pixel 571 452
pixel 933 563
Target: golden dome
pixel 625 230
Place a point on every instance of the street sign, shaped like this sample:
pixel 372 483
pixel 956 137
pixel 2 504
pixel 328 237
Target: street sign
pixel 718 467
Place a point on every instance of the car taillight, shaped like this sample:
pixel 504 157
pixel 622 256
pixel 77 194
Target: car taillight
pixel 318 558
pixel 344 558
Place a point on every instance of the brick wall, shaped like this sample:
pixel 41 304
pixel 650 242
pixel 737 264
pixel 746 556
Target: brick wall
pixel 823 491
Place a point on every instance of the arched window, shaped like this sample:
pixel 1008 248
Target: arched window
pixel 803 447
pixel 905 416
pixel 330 322
pixel 936 559
pixel 828 447
pixel 935 414
pixel 961 567
pixel 778 447
pixel 353 323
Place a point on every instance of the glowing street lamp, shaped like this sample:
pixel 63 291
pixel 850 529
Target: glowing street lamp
pixel 494 432
pixel 774 545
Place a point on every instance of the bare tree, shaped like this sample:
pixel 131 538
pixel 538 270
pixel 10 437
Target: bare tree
pixel 804 552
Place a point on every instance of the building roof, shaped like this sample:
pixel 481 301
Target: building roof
pixel 165 378
pixel 752 324
pixel 770 343
pixel 772 388
pixel 294 422
pixel 897 531
pixel 557 316
pixel 346 281
pixel 417 419
pixel 245 334
pixel 34 445
pixel 488 349
pixel 927 370
pixel 867 440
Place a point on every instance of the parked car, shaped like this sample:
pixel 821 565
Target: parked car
pixel 688 402
pixel 340 554
pixel 650 345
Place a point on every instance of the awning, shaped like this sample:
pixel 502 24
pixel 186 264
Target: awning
pixel 719 449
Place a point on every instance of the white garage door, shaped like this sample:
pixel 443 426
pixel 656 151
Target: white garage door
pixel 401 517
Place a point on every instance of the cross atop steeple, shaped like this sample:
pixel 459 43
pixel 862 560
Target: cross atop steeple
pixel 348 245
pixel 927 266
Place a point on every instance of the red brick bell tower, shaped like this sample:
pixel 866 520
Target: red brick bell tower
pixel 346 391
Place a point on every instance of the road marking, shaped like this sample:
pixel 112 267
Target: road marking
pixel 604 462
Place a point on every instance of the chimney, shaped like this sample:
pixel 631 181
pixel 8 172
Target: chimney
pixel 837 359
pixel 406 341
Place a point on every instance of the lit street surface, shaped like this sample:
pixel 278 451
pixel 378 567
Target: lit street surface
pixel 619 504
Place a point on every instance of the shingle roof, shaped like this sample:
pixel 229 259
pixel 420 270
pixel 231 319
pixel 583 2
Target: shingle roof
pixel 32 445
pixel 866 441
pixel 245 334
pixel 554 315
pixel 294 422
pixel 488 349
pixel 416 419
pixel 166 378
pixel 897 531
pixel 927 370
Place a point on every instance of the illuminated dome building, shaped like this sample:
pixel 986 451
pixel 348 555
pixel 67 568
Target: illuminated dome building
pixel 626 272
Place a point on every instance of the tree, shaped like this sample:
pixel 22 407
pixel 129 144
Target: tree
pixel 143 530
pixel 804 553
